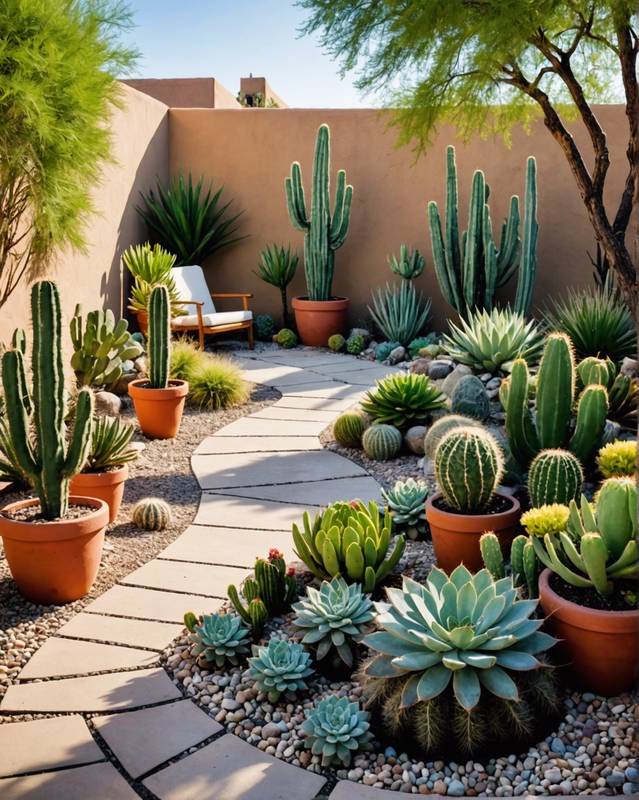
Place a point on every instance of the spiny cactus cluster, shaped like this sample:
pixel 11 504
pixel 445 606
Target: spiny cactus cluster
pixel 336 729
pixel 622 389
pixel 524 564
pixel 280 667
pixel 382 442
pixel 159 337
pixel 349 428
pixel 555 476
pixel 267 594
pixel 468 467
pixel 406 502
pixel 355 344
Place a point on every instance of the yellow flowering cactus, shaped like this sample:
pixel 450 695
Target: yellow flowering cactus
pixel 547 519
pixel 618 459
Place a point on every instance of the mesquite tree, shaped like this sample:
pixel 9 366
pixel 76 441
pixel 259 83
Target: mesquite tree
pixel 486 64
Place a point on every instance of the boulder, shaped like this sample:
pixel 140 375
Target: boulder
pixel 470 398
pixel 448 386
pixel 397 355
pixel 420 366
pixel 140 365
pixel 107 403
pixel 122 386
pixel 439 368
pixel 414 439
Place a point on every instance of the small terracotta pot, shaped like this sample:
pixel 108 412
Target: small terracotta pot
pixel 107 486
pixel 55 562
pixel 316 320
pixel 602 646
pixel 456 536
pixel 143 321
pixel 159 411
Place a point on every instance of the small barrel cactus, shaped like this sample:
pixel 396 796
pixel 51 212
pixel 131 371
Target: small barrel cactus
pixel 349 428
pixel 468 467
pixel 355 344
pixel 286 338
pixel 336 342
pixel 406 502
pixel 555 476
pixel 469 398
pixel 441 427
pixel 335 729
pixel 618 459
pixel 219 638
pixel 280 667
pixel 152 514
pixel 384 349
pixel 382 442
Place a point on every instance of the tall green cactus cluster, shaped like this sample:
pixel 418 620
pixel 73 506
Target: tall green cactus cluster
pixel 470 272
pixel 270 592
pixel 524 564
pixel 159 337
pixel 324 232
pixel 48 459
pixel 554 424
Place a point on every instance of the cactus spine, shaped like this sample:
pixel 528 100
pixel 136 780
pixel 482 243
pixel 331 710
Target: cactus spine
pixel 48 461
pixel 382 442
pixel 555 476
pixel 159 338
pixel 323 233
pixel 468 467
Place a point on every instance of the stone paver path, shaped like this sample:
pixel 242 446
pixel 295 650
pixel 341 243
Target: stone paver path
pixel 124 728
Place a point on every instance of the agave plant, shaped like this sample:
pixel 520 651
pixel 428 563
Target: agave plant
pixel 280 667
pixel 150 266
pixel 491 341
pixel 188 220
pixel 220 637
pixel 403 400
pixel 400 312
pixel 110 442
pixel 406 502
pixel 333 618
pixel 277 267
pixel 335 729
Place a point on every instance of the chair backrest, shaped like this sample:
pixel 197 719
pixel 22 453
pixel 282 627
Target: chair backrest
pixel 191 285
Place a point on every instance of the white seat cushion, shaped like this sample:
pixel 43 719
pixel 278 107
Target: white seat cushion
pixel 191 285
pixel 213 320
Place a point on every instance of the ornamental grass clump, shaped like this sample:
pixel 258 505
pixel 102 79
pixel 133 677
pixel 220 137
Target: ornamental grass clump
pixel 218 383
pixel 336 729
pixel 280 668
pixel 618 459
pixel 219 638
pixel 186 359
pixel 403 400
pixel 406 502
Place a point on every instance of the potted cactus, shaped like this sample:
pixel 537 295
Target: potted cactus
pixel 589 586
pixel 319 314
pixel 158 401
pixel 53 543
pixel 468 468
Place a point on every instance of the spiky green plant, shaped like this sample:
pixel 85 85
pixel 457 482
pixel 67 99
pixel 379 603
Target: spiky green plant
pixel 219 638
pixel 286 338
pixel 409 265
pixel 490 341
pixel 622 389
pixel 277 267
pixel 264 327
pixel 468 468
pixel 349 539
pixel 355 344
pixel 523 566
pixel 618 459
pixel 441 427
pixel 271 585
pixel 348 429
pixel 280 667
pixel 110 445
pixel 555 476
pixel 335 729
pixel 400 312
pixel 406 502
pixel 333 619
pixel 189 220
pixel 186 359
pixel 336 342
pixel 382 442
pixel 150 266
pixel 403 399
pixel 159 337
pixel 218 383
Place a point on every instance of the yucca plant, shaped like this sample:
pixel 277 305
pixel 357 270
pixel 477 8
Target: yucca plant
pixel 277 267
pixel 403 400
pixel 489 341
pixel 189 220
pixel 400 312
pixel 149 267
pixel 110 445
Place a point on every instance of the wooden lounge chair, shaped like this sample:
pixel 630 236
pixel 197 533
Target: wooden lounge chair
pixel 193 291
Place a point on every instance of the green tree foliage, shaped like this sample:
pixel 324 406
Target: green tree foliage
pixel 58 61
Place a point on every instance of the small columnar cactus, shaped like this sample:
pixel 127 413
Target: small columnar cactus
pixel 349 428
pixel 271 587
pixel 524 565
pixel 335 729
pixel 382 442
pixel 286 338
pixel 280 667
pixel 618 459
pixel 468 467
pixel 555 476
pixel 151 514
pixel 384 349
pixel 219 638
pixel 441 427
pixel 355 344
pixel 336 342
pixel 406 502
pixel 470 398
pixel 159 337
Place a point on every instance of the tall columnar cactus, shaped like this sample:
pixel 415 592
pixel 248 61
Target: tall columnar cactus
pixel 159 337
pixel 324 232
pixel 469 273
pixel 47 458
pixel 468 467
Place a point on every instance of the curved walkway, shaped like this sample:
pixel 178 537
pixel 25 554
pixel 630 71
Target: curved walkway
pixel 119 715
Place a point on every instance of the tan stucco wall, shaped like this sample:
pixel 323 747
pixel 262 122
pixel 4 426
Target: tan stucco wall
pixel 250 154
pixel 186 92
pixel 260 85
pixel 140 147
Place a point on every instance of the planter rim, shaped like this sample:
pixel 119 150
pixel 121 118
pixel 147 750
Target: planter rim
pixel 302 302
pixel 54 530
pixel 104 478
pixel 466 523
pixel 180 389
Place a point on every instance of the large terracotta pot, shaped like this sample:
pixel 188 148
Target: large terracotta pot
pixel 316 320
pixel 55 562
pixel 143 321
pixel 602 646
pixel 107 486
pixel 159 411
pixel 456 536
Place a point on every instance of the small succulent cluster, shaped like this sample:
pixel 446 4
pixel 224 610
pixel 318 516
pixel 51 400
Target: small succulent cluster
pixel 336 342
pixel 409 265
pixel 550 518
pixel 618 459
pixel 382 442
pixel 349 428
pixel 280 667
pixel 524 564
pixel 152 514
pixel 406 502
pixel 403 400
pixel 335 729
pixel 355 344
pixel 286 338
pixel 555 476
pixel 420 343
pixel 267 594
pixel 110 444
pixel 218 638
pixel 469 398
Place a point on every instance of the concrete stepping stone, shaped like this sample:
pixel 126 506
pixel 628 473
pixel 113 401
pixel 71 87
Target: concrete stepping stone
pixel 261 444
pixel 228 471
pixel 230 769
pixel 312 403
pixel 348 790
pixel 293 414
pixel 301 359
pixel 250 426
pixel 293 378
pixel 235 512
pixel 101 781
pixel 150 604
pixel 118 630
pixel 113 692
pixel 329 390
pixel 46 744
pixel 315 493
pixel 58 658
pixel 182 576
pixel 235 546
pixel 144 739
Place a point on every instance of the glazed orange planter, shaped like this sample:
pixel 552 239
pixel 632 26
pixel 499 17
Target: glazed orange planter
pixel 456 536
pixel 316 320
pixel 602 646
pixel 159 411
pixel 55 562
pixel 107 486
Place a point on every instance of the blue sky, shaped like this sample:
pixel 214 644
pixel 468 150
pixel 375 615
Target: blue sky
pixel 228 39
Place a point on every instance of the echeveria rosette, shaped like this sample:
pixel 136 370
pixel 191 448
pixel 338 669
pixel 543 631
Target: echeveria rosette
pixel 280 667
pixel 334 617
pixel 467 628
pixel 220 637
pixel 335 728
pixel 406 502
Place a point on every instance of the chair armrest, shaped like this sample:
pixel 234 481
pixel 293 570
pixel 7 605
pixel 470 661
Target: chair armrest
pixel 188 303
pixel 244 296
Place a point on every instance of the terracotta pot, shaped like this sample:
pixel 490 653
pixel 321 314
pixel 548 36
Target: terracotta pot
pixel 55 562
pixel 107 486
pixel 143 321
pixel 456 536
pixel 316 320
pixel 602 646
pixel 159 411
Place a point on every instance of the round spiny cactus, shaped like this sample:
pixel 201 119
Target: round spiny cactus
pixel 441 427
pixel 355 344
pixel 336 342
pixel 468 467
pixel 152 514
pixel 382 442
pixel 286 338
pixel 348 429
pixel 555 476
